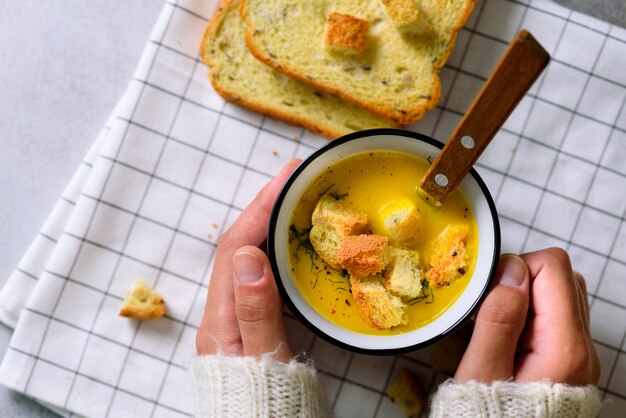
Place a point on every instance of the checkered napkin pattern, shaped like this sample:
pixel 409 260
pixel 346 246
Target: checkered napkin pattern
pixel 176 164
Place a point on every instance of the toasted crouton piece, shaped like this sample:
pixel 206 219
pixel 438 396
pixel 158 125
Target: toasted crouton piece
pixel 339 214
pixel 379 308
pixel 332 220
pixel 141 302
pixel 407 17
pixel 402 222
pixel 364 254
pixel 449 260
pixel 406 391
pixel 403 275
pixel 326 241
pixel 345 34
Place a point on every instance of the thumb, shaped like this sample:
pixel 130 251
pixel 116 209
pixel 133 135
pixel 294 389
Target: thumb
pixel 499 324
pixel 258 305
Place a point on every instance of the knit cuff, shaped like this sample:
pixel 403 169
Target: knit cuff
pixel 251 387
pixel 510 399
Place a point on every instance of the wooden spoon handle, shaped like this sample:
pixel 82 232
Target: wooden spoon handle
pixel 522 63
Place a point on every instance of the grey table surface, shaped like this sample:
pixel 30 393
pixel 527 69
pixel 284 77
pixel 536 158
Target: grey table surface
pixel 65 63
pixel 64 66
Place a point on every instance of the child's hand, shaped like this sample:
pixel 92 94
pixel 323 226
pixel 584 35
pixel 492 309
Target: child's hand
pixel 533 325
pixel 243 314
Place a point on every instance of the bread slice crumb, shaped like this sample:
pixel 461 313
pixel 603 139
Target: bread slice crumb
pixel 363 255
pixel 141 302
pixel 449 260
pixel 403 275
pixel 379 308
pixel 345 34
pixel 406 391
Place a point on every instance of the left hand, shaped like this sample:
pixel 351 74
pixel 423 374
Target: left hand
pixel 243 314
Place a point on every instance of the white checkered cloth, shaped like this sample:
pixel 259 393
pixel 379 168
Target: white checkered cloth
pixel 176 165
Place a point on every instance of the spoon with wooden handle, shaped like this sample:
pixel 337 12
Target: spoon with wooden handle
pixel 519 67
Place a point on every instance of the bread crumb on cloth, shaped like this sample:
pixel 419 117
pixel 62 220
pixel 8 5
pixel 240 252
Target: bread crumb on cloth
pixel 406 392
pixel 141 302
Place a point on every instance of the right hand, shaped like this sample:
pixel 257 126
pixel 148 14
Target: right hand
pixel 533 325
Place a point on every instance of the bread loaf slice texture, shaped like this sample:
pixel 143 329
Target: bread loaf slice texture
pixel 395 77
pixel 238 77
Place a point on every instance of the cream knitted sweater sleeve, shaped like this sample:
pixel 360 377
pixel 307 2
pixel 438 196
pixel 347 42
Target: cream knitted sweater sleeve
pixel 241 387
pixel 510 399
pixel 250 387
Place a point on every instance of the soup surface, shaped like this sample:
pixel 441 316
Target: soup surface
pixel 370 181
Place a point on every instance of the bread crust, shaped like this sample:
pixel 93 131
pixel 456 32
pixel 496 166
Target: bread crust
pixel 310 124
pixel 277 114
pixel 406 116
pixel 143 314
pixel 468 7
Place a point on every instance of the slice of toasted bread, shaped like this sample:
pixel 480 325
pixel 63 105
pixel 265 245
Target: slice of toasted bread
pixel 239 77
pixel 449 259
pixel 403 275
pixel 141 302
pixel 333 220
pixel 396 76
pixel 379 308
pixel 363 255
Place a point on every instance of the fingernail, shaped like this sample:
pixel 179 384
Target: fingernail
pixel 248 268
pixel 512 271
